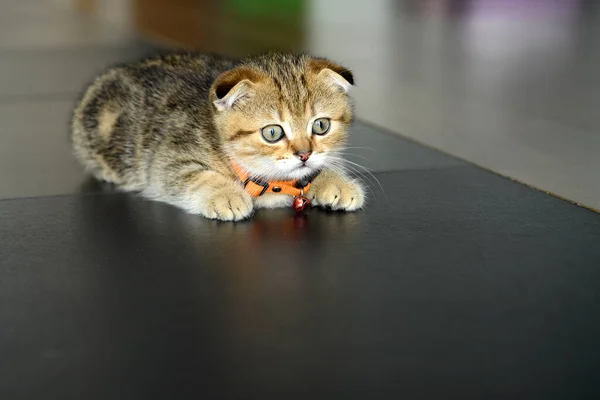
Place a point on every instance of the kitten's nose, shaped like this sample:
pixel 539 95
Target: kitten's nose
pixel 303 155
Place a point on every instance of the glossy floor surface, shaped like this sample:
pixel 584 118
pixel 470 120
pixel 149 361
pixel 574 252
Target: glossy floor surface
pixel 463 285
pixel 453 282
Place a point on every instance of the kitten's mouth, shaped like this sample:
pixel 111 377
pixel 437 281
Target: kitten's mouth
pixel 303 168
pixel 302 171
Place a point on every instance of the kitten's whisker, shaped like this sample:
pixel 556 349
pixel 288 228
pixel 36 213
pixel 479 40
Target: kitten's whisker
pixel 343 170
pixel 336 166
pixel 342 160
pixel 354 155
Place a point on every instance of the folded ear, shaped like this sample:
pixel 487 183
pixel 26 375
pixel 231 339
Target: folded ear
pixel 232 86
pixel 332 72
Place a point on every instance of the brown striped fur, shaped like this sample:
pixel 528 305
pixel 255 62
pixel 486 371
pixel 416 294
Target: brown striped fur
pixel 169 127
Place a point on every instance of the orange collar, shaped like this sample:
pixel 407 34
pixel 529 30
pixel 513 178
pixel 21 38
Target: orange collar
pixel 257 187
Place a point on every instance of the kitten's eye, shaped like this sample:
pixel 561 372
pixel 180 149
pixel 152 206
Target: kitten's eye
pixel 321 126
pixel 272 133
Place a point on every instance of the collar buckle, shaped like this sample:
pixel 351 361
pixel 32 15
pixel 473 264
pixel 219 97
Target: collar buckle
pixel 258 182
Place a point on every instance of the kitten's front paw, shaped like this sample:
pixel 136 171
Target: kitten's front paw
pixel 338 193
pixel 227 205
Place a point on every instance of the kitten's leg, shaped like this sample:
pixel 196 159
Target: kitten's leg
pixel 337 191
pixel 208 193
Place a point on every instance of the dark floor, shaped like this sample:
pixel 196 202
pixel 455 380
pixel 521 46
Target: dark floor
pixel 452 283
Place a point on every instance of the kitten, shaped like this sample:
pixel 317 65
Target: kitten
pixel 188 129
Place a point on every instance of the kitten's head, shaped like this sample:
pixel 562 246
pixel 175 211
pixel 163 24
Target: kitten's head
pixel 283 116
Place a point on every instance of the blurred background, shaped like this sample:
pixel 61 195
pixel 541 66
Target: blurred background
pixel 510 85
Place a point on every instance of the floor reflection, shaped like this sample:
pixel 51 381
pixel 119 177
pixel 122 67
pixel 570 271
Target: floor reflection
pixel 264 241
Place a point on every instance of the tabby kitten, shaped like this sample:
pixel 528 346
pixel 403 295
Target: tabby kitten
pixel 181 128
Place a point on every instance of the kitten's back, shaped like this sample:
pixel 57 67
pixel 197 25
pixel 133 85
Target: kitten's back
pixel 127 111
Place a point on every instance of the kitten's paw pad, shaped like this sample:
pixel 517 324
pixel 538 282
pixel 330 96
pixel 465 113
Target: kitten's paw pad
pixel 226 205
pixel 339 195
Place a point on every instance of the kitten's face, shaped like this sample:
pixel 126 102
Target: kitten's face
pixel 283 117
